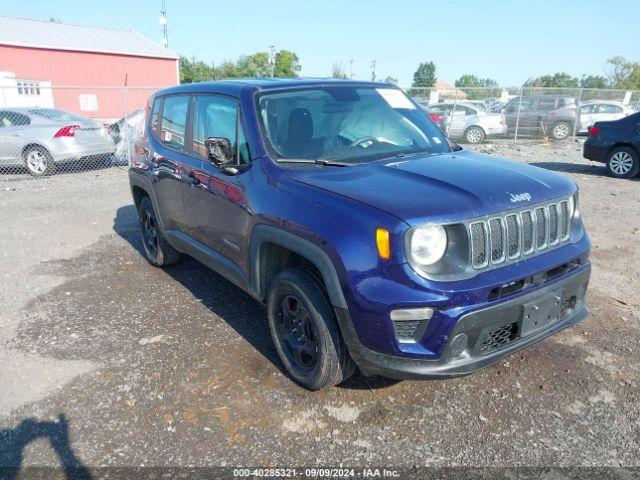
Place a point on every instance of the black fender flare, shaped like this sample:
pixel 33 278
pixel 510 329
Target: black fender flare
pixel 267 234
pixel 142 182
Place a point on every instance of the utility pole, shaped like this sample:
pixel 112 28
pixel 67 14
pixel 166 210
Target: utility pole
pixel 351 69
pixel 373 71
pixel 163 25
pixel 272 59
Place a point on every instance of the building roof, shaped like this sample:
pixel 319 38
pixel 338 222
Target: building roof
pixel 61 36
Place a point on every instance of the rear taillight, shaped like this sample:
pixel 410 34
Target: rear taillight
pixel 435 117
pixel 68 131
pixel 593 131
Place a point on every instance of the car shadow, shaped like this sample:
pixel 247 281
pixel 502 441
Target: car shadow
pixel 226 301
pixel 14 441
pixel 568 167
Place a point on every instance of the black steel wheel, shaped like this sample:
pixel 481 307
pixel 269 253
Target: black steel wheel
pixel 157 250
pixel 305 332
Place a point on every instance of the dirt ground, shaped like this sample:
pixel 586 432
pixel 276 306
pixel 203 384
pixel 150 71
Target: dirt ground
pixel 133 366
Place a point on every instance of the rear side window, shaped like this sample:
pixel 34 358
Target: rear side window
pixel 155 116
pixel 174 121
pixel 608 108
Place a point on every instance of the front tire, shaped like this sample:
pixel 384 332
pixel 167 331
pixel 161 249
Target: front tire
pixel 157 250
pixel 623 162
pixel 561 130
pixel 38 161
pixel 305 333
pixel 474 134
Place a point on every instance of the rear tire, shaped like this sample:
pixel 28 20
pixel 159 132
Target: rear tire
pixel 623 162
pixel 38 161
pixel 561 130
pixel 157 250
pixel 305 333
pixel 474 134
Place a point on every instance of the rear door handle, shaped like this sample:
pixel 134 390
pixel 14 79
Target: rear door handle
pixel 192 180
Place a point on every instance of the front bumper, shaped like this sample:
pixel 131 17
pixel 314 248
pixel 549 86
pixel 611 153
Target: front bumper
pixel 568 302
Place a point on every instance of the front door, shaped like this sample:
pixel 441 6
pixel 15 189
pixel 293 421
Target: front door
pixel 12 125
pixel 217 205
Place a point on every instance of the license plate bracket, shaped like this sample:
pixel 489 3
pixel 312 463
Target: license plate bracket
pixel 540 313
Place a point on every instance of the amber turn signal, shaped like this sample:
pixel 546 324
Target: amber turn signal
pixel 382 240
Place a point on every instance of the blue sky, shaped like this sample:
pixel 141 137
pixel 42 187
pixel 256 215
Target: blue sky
pixel 509 41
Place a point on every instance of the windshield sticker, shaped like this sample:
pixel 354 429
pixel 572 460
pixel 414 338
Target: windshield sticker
pixel 436 140
pixel 395 98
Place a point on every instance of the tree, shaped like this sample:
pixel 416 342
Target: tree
pixel 194 70
pixel 425 75
pixel 624 73
pixel 391 80
pixel 337 71
pixel 477 88
pixel 558 80
pixel 287 64
pixel 593 81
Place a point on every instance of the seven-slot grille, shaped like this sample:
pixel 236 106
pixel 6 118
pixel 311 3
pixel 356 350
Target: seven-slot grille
pixel 510 236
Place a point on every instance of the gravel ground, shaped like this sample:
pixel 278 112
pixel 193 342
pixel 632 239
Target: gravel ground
pixel 141 366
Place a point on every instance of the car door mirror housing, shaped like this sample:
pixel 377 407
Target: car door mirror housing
pixel 219 149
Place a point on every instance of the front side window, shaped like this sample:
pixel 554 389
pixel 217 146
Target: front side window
pixel 13 119
pixel 217 116
pixel 174 121
pixel 345 123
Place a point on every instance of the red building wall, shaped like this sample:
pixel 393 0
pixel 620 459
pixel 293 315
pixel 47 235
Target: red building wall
pixel 99 74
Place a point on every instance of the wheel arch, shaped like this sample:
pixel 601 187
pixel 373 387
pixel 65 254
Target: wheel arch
pixel 31 145
pixel 620 144
pixel 274 249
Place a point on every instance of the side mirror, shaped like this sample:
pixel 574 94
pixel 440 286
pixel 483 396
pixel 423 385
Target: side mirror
pixel 219 149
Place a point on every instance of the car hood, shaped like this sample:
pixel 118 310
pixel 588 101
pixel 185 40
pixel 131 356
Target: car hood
pixel 441 188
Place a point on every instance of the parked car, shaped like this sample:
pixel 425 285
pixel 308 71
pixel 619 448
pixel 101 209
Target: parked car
pixel 125 132
pixel 542 114
pixel 41 138
pixel 468 121
pixel 600 110
pixel 371 239
pixel 617 144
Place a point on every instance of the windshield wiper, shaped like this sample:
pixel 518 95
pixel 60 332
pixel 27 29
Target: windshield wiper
pixel 317 161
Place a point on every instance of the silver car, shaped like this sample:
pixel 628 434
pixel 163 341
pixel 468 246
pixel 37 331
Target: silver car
pixel 40 138
pixel 468 121
pixel 600 110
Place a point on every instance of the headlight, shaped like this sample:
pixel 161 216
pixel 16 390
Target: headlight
pixel 574 211
pixel 427 245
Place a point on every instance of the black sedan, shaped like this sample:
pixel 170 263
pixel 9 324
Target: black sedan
pixel 616 143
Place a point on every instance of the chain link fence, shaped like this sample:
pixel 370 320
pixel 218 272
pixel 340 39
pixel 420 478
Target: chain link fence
pixel 47 130
pixel 476 115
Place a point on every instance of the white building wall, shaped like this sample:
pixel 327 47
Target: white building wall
pixel 19 92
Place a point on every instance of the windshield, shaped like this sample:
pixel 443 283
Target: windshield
pixel 345 123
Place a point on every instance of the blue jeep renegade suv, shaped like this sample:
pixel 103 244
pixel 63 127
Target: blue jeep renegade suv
pixel 372 239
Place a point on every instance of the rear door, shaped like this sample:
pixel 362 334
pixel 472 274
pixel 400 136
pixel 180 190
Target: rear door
pixel 166 152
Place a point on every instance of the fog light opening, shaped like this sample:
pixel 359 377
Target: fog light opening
pixel 458 345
